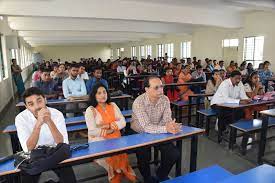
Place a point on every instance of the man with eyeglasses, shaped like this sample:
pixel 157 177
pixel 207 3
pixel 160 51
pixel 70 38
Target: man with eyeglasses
pixel 152 114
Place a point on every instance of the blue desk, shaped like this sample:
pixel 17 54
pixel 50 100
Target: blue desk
pixel 74 124
pixel 233 107
pixel 261 174
pixel 126 144
pixel 213 174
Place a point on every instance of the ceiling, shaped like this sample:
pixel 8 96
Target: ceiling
pixel 67 22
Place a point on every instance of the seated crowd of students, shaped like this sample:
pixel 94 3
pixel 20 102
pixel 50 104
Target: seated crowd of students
pixel 42 125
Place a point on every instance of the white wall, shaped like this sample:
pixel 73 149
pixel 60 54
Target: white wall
pixel 74 53
pixel 6 84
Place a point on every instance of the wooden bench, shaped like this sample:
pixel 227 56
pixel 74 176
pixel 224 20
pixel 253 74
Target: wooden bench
pixel 207 114
pixel 125 144
pixel 211 174
pixel 246 127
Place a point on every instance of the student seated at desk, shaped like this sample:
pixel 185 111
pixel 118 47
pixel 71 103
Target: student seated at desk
pixel 47 85
pixel 61 75
pixel 177 70
pixel 252 88
pixel 104 121
pixel 82 73
pixel 230 90
pixel 54 72
pixel 168 78
pixel 120 68
pixel 265 73
pixel 41 125
pixel 212 86
pixel 232 67
pixel 152 114
pixel 36 75
pixel 97 78
pixel 184 77
pixel 74 87
pixel 197 76
pixel 220 65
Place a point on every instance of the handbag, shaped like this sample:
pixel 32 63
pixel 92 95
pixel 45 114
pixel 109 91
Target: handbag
pixel 42 158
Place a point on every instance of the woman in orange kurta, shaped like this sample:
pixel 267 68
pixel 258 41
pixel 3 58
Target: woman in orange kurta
pixel 104 121
pixel 184 77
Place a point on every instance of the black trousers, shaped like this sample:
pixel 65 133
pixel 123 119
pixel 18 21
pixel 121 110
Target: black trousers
pixel 65 174
pixel 169 156
pixel 225 116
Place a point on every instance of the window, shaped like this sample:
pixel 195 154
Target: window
pixel 2 64
pixel 133 51
pixel 160 50
pixel 142 51
pixel 169 49
pixel 230 43
pixel 253 50
pixel 118 52
pixel 13 53
pixel 185 49
pixel 148 50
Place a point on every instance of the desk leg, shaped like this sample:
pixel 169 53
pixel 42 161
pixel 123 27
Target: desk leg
pixel 263 139
pixel 232 141
pixel 178 163
pixel 180 108
pixel 175 108
pixel 189 110
pixel 126 103
pixel 198 108
pixel 193 155
pixel 14 143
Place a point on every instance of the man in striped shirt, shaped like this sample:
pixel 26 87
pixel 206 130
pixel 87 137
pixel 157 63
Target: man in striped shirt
pixel 152 114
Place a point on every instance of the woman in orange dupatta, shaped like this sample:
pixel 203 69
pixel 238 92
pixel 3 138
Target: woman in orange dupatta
pixel 184 77
pixel 104 121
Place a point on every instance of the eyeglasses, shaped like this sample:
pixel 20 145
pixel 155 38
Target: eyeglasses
pixel 158 87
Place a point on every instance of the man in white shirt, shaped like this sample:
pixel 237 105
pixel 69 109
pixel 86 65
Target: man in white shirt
pixel 41 125
pixel 220 65
pixel 82 74
pixel 120 67
pixel 231 90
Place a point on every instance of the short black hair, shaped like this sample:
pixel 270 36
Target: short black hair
pixel 235 73
pixel 32 91
pixel 147 80
pixel 97 68
pixel 198 67
pixel 92 98
pixel 74 65
pixel 45 70
pixel 266 62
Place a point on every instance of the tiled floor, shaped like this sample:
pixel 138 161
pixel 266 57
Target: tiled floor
pixel 209 153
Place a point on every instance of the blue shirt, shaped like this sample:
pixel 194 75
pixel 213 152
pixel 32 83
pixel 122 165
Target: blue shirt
pixel 264 75
pixel 48 88
pixel 92 82
pixel 74 88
